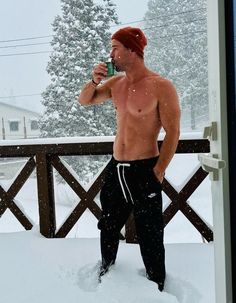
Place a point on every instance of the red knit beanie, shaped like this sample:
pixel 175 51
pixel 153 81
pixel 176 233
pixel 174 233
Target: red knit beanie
pixel 132 38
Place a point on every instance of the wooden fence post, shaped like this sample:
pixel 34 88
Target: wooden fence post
pixel 3 130
pixel 47 218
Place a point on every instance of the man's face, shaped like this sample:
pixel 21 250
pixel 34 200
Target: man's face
pixel 120 55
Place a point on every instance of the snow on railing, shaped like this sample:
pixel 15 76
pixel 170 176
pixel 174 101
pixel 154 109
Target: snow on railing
pixel 86 139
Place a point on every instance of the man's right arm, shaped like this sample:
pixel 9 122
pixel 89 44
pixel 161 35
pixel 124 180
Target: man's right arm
pixel 93 92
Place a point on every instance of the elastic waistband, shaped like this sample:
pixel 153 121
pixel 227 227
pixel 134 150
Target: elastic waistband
pixel 149 162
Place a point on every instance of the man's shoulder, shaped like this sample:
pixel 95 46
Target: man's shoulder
pixel 163 84
pixel 163 87
pixel 159 79
pixel 115 79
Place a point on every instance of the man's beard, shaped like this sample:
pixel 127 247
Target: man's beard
pixel 117 68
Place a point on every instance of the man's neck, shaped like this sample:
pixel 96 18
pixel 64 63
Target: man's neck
pixel 136 71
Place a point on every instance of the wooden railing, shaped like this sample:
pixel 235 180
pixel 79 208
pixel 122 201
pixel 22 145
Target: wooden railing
pixel 43 156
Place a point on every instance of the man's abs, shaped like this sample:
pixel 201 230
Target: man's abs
pixel 133 147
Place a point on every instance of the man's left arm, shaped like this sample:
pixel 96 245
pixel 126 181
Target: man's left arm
pixel 169 114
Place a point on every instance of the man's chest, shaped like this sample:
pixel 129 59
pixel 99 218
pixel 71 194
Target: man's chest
pixel 137 100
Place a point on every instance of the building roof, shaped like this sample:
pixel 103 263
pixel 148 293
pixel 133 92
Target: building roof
pixel 19 108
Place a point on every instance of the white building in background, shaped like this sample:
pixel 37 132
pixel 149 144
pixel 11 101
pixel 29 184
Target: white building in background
pixel 17 122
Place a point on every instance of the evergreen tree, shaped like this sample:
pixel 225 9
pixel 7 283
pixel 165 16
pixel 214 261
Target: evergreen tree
pixel 177 49
pixel 81 39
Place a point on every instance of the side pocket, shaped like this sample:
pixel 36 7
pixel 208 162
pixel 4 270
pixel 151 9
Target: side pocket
pixel 154 178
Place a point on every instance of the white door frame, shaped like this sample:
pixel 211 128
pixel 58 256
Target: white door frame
pixel 219 148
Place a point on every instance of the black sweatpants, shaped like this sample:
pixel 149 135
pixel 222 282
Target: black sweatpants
pixel 132 186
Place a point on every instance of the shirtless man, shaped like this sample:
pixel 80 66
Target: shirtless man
pixel 144 102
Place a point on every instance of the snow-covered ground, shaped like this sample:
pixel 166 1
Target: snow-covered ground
pixel 39 270
pixel 35 269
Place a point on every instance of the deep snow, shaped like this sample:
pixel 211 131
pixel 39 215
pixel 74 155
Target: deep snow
pixel 37 270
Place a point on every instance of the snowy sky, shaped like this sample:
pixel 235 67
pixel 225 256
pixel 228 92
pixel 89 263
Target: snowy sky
pixel 26 74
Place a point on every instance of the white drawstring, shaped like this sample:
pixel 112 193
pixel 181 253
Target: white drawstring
pixel 125 183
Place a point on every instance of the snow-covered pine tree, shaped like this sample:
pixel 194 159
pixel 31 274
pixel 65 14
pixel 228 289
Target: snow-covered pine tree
pixel 177 49
pixel 81 39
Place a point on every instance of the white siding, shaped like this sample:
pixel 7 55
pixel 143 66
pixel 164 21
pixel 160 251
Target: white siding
pixel 11 116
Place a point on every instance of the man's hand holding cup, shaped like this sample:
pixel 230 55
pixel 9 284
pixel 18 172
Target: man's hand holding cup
pixel 101 71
